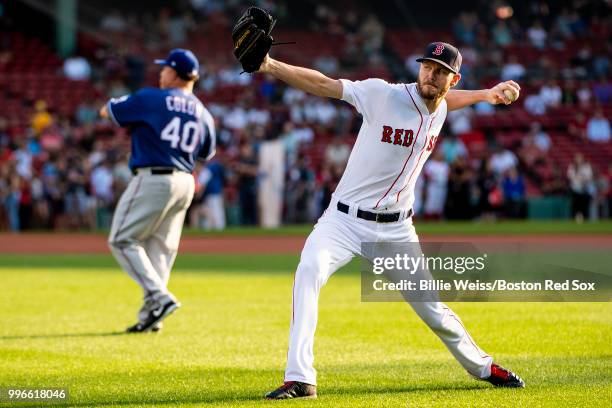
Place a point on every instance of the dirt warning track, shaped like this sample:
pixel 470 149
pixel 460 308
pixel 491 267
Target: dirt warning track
pixel 74 243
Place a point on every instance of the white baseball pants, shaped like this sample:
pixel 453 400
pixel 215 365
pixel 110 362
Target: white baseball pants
pixel 147 227
pixel 335 240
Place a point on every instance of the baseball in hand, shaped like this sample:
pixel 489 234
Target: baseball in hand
pixel 511 95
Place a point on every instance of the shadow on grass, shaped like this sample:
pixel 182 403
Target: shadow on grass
pixel 63 335
pixel 144 385
pixel 202 386
pixel 228 398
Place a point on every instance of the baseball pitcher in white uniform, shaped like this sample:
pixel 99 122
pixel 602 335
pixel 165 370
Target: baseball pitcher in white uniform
pixel 373 201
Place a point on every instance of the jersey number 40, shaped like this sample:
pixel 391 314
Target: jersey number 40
pixel 185 137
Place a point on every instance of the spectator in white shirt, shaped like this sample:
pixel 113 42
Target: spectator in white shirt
pixel 535 105
pixel 436 171
pixel 537 35
pixel 460 120
pixel 23 159
pixel 598 128
pixel 325 112
pixel 513 70
pixel 298 112
pixel 551 94
pixel 327 64
pixel 502 160
pixel 337 152
pixel 77 69
pixel 580 175
pixel 97 155
pixel 236 119
pixel 258 116
pixel 584 95
pixel 320 111
pixel 304 134
pixel 231 75
pixel 293 95
pixel 540 137
pixel 102 184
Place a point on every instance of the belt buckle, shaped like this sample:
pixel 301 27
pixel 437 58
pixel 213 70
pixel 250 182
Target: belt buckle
pixel 377 214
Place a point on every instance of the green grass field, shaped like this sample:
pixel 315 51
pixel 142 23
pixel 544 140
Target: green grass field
pixel 62 317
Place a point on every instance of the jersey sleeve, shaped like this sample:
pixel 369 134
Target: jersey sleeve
pixel 366 96
pixel 209 147
pixel 128 109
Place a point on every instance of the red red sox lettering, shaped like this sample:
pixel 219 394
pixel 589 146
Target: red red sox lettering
pixel 404 137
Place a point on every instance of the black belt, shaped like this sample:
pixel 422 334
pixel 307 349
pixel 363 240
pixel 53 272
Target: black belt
pixel 159 171
pixel 370 216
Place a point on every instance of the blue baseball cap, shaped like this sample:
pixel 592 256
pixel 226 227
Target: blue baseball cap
pixel 183 62
pixel 443 53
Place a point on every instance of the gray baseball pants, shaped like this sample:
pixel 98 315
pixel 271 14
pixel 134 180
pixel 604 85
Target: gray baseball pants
pixel 147 227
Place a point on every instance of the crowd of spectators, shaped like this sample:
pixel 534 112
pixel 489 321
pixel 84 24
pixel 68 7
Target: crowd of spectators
pixel 562 61
pixel 67 169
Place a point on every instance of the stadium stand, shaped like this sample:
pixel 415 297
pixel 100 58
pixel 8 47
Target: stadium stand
pixel 52 143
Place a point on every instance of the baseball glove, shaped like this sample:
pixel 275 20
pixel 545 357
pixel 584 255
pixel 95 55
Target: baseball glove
pixel 252 39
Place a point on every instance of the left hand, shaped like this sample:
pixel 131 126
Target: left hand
pixel 496 95
pixel 265 66
pixel 250 46
pixel 103 112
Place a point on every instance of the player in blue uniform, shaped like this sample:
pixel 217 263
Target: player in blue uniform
pixel 170 129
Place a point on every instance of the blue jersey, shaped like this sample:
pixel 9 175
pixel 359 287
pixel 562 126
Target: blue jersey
pixel 169 128
pixel 215 183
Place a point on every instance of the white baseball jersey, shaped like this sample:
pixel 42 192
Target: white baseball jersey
pixel 397 136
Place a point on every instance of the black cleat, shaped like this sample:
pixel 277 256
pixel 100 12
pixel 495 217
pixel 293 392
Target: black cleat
pixel 154 317
pixel 293 389
pixel 501 377
pixel 138 328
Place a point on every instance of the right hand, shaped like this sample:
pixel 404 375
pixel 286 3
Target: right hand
pixel 496 95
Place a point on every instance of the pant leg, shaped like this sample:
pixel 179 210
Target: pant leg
pixel 331 245
pixel 162 246
pixel 442 320
pixel 248 205
pixel 575 203
pixel 12 209
pixel 449 328
pixel 162 249
pixel 139 209
pixel 585 205
pixel 215 212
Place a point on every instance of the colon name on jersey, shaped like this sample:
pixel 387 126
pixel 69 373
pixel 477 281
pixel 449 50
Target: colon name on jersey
pixel 177 103
pixel 168 127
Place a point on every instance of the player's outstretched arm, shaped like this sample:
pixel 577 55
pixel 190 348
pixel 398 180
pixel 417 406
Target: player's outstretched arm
pixel 504 92
pixel 305 79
